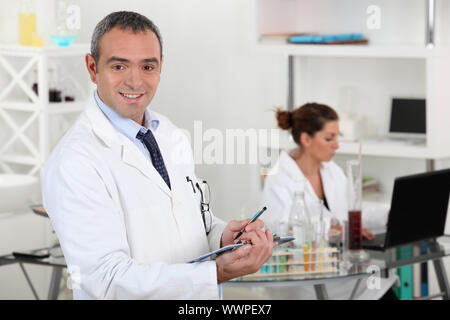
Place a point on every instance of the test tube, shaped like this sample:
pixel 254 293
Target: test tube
pixel 306 256
pixel 268 266
pixel 321 254
pixel 313 255
pixel 276 261
pixel 282 263
pixel 313 251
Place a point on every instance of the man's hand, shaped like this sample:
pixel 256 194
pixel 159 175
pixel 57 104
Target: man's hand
pixel 248 258
pixel 233 228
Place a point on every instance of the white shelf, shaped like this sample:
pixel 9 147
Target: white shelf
pixel 363 51
pixel 19 159
pixel 52 107
pixel 17 105
pixel 75 49
pixel 389 149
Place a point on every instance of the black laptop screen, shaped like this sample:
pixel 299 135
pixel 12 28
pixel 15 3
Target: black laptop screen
pixel 419 207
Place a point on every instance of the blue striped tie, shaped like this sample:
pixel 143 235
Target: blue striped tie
pixel 152 146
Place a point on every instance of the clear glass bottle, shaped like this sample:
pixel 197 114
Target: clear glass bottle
pixel 299 225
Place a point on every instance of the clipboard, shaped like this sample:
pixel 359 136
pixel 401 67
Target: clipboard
pixel 235 246
pixel 217 252
pixel 283 240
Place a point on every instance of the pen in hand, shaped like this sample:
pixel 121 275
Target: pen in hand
pixel 256 216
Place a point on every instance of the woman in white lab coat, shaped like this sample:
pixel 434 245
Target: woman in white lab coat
pixel 309 168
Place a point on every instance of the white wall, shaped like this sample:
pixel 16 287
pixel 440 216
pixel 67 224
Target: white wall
pixel 211 73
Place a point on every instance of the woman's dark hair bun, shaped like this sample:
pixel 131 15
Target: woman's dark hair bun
pixel 284 119
pixel 309 118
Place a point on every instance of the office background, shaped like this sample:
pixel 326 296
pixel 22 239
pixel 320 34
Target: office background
pixel 214 72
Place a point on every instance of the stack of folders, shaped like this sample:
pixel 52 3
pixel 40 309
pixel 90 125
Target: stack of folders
pixel 351 38
pixel 405 290
pixel 413 278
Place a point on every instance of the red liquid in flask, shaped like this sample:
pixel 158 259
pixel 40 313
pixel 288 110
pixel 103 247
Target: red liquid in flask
pixel 355 232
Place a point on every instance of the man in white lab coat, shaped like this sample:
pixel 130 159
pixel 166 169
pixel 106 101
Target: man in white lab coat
pixel 121 191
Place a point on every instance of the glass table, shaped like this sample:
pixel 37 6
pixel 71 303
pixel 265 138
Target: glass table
pixel 55 260
pixel 379 262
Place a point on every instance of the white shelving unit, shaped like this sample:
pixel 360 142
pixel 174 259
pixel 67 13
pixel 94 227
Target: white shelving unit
pixel 358 51
pixel 30 126
pixel 412 50
pixel 34 123
pixel 434 60
pixel 390 149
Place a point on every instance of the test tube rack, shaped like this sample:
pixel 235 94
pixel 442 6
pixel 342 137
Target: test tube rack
pixel 290 261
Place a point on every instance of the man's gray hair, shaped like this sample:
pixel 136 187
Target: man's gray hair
pixel 125 20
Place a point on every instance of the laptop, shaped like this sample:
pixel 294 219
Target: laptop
pixel 418 210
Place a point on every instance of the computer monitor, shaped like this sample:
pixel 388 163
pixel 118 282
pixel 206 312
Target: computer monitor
pixel 408 119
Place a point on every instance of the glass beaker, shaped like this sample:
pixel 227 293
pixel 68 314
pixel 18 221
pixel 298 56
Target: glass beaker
pixel 27 23
pixel 354 196
pixel 63 34
pixel 335 236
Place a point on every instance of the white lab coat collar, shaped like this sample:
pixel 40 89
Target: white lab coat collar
pixel 288 164
pixel 130 154
pixel 292 170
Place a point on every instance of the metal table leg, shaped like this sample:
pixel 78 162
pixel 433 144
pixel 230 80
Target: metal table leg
pixel 321 291
pixel 55 282
pixel 29 281
pixel 355 289
pixel 440 272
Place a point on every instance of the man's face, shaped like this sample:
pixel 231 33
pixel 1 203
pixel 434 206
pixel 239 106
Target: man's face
pixel 128 71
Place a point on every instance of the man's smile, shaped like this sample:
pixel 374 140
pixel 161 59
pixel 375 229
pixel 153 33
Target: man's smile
pixel 131 97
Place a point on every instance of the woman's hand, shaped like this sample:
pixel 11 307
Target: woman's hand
pixel 366 233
